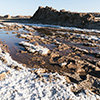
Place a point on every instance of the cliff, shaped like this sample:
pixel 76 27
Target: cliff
pixel 48 15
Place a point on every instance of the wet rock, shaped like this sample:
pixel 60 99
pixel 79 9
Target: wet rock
pixel 90 44
pixel 14 32
pixel 21 51
pixel 30 33
pixel 98 63
pixel 7 33
pixel 97 55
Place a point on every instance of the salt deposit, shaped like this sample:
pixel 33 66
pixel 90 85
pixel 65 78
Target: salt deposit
pixel 91 37
pixel 32 48
pixel 54 26
pixel 63 64
pixel 25 36
pixel 24 85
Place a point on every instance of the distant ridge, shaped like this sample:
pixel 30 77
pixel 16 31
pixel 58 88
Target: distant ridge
pixel 49 15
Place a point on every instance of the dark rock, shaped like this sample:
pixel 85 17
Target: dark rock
pixel 48 15
pixel 7 16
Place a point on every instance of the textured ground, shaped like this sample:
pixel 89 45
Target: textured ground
pixel 71 52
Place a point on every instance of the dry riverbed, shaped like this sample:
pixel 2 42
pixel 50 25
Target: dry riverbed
pixel 54 62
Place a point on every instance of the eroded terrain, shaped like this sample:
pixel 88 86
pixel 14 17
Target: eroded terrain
pixel 73 53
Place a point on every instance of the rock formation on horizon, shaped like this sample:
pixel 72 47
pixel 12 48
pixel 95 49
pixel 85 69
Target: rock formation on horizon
pixel 7 16
pixel 48 15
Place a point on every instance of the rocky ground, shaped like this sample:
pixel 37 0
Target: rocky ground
pixel 71 53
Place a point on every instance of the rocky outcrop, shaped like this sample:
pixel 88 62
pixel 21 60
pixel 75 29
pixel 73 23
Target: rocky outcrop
pixel 48 15
pixel 7 16
pixel 95 14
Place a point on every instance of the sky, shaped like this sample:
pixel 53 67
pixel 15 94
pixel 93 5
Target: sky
pixel 28 7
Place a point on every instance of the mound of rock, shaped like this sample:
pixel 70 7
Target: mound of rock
pixel 48 15
pixel 95 14
pixel 7 16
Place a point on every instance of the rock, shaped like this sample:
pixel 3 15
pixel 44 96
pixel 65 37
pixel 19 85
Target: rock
pixel 48 15
pixel 36 43
pixel 15 67
pixel 3 59
pixel 30 33
pixel 63 10
pixel 14 32
pixel 7 33
pixel 8 72
pixel 97 55
pixel 38 71
pixel 23 51
pixel 67 79
pixel 98 63
pixel 54 55
pixel 7 16
pixel 0 50
pixel 42 62
pixel 2 76
pixel 81 71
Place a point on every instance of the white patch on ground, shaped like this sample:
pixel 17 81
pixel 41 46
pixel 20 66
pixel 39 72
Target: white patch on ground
pixel 63 64
pixel 54 26
pixel 91 44
pixel 24 85
pixel 32 48
pixel 22 30
pixel 27 27
pixel 68 28
pixel 84 50
pixel 17 24
pixel 91 37
pixel 10 24
pixel 25 36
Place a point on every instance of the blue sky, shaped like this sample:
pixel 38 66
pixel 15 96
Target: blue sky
pixel 28 7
